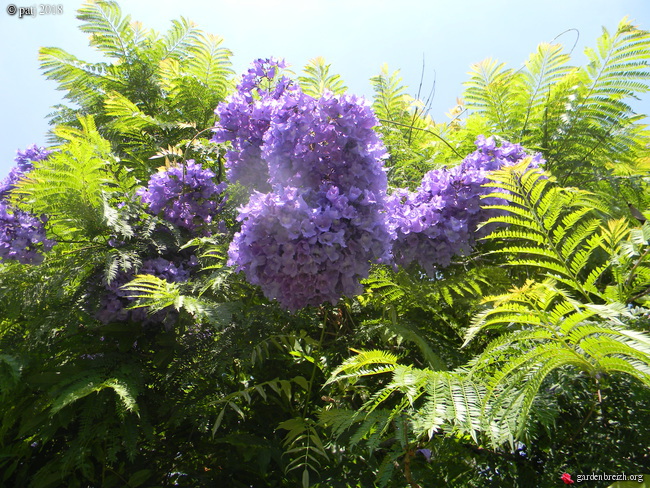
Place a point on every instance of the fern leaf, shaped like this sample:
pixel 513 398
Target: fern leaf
pixel 209 63
pixel 317 79
pixel 129 118
pixel 109 31
pixel 85 387
pixel 84 82
pixel 364 363
pixel 488 92
pixel 390 101
pixel 68 185
pixel 178 40
pixel 544 69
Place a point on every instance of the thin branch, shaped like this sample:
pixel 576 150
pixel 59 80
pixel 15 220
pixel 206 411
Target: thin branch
pixel 384 121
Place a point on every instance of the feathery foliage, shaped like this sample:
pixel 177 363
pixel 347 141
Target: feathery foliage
pixel 158 91
pixel 134 356
pixel 579 117
pixel 317 79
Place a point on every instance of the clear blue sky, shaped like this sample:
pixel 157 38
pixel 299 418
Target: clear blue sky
pixel 355 36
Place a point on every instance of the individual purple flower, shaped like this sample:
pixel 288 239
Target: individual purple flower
pixel 185 195
pixel 439 220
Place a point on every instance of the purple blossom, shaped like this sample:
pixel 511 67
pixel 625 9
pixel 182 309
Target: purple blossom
pixel 259 80
pixel 22 235
pixel 244 123
pixel 329 140
pixel 10 182
pixel 244 119
pixel 301 249
pixel 24 164
pixel 439 220
pixel 24 159
pixel 185 196
pixel 312 235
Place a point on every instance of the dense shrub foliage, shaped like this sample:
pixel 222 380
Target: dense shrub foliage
pixel 315 290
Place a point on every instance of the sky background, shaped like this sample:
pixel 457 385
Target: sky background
pixel 355 36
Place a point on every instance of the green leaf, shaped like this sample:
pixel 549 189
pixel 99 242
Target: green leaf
pixel 109 31
pixel 317 79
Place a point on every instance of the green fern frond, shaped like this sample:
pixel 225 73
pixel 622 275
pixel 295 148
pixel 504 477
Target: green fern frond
pixel 157 294
pixel 488 92
pixel 86 386
pixel 562 233
pixel 178 39
pixel 390 101
pixel 624 52
pixel 170 72
pixel 579 117
pixel 544 69
pixel 598 115
pixel 433 400
pixel 129 119
pixel 68 185
pixel 364 363
pixel 559 232
pixel 209 62
pixel 547 330
pixel 381 285
pixel 403 289
pixel 302 442
pixel 109 31
pixel 317 79
pixel 84 82
pixel 154 293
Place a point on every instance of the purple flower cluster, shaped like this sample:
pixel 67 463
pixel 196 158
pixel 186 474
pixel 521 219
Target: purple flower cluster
pixel 22 235
pixel 185 196
pixel 24 163
pixel 306 247
pixel 25 159
pixel 244 119
pixel 330 139
pixel 114 303
pixel 313 237
pixel 439 220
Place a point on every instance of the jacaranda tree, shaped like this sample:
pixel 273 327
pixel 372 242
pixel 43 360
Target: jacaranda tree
pixel 273 282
